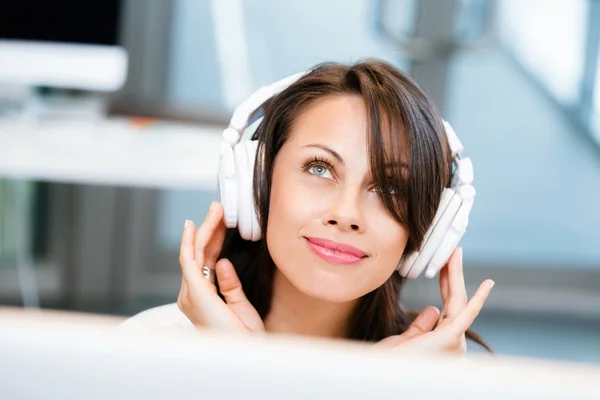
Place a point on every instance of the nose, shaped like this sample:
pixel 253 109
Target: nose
pixel 346 214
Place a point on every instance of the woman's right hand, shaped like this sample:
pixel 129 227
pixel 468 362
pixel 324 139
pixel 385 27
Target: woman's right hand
pixel 198 298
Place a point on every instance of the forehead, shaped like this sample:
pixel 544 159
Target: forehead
pixel 343 122
pixel 340 117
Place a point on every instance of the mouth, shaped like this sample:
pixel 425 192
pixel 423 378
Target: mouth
pixel 335 252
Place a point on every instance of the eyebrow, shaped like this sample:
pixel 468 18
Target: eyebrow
pixel 339 158
pixel 333 153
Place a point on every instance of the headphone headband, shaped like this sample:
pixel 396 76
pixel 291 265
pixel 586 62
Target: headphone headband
pixel 241 115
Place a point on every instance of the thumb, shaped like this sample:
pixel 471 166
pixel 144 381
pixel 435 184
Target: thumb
pixel 231 288
pixel 424 323
pixel 229 283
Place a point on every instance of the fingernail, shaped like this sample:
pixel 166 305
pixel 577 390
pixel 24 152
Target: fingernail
pixel 491 284
pixel 187 222
pixel 212 206
pixel 430 272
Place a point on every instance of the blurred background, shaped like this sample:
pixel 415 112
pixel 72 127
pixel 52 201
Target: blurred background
pixel 110 115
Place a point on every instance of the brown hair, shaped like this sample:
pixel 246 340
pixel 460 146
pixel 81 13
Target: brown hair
pixel 403 121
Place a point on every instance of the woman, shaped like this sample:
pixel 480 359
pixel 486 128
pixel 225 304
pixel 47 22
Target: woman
pixel 351 167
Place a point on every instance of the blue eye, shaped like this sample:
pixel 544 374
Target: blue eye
pixel 319 166
pixel 320 170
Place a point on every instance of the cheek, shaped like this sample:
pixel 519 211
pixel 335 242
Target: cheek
pixel 294 204
pixel 390 237
pixel 286 214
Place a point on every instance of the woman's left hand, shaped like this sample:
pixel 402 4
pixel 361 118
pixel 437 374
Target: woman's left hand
pixel 444 332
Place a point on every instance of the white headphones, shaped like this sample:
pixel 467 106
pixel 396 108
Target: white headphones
pixel 236 176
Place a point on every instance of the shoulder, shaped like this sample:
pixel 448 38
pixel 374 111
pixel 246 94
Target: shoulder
pixel 165 316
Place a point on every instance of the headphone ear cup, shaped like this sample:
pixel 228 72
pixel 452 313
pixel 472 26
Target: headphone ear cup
pixel 455 232
pixel 417 262
pixel 251 149
pixel 228 187
pixel 244 224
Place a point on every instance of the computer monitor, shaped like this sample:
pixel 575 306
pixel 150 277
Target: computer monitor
pixel 70 44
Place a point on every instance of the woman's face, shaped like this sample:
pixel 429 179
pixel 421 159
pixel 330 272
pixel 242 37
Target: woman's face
pixel 328 232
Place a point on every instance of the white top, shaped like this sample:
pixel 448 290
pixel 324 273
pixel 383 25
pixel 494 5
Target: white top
pixel 165 316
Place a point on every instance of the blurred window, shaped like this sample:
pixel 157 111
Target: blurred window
pixel 222 51
pixel 597 88
pixel 548 37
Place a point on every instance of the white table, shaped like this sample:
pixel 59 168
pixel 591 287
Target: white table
pixel 111 152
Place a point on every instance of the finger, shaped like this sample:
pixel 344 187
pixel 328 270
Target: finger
pixel 231 288
pixel 424 323
pixel 215 244
pixel 441 319
pixel 465 319
pixel 183 295
pixel 186 250
pixel 444 293
pixel 229 283
pixel 189 268
pixel 183 291
pixel 458 294
pixel 444 284
pixel 205 233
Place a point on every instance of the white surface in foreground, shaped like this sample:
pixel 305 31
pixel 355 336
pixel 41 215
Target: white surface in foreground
pixel 47 356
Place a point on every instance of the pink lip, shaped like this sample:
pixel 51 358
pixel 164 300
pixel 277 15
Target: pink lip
pixel 335 252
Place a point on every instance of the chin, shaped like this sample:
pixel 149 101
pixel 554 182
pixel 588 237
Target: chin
pixel 331 283
pixel 332 293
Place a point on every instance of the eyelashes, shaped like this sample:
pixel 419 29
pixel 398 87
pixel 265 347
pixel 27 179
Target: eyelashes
pixel 389 189
pixel 318 166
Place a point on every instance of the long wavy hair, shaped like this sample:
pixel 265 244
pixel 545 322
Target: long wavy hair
pixel 403 122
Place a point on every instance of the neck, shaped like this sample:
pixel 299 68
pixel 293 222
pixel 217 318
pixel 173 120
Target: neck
pixel 293 312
